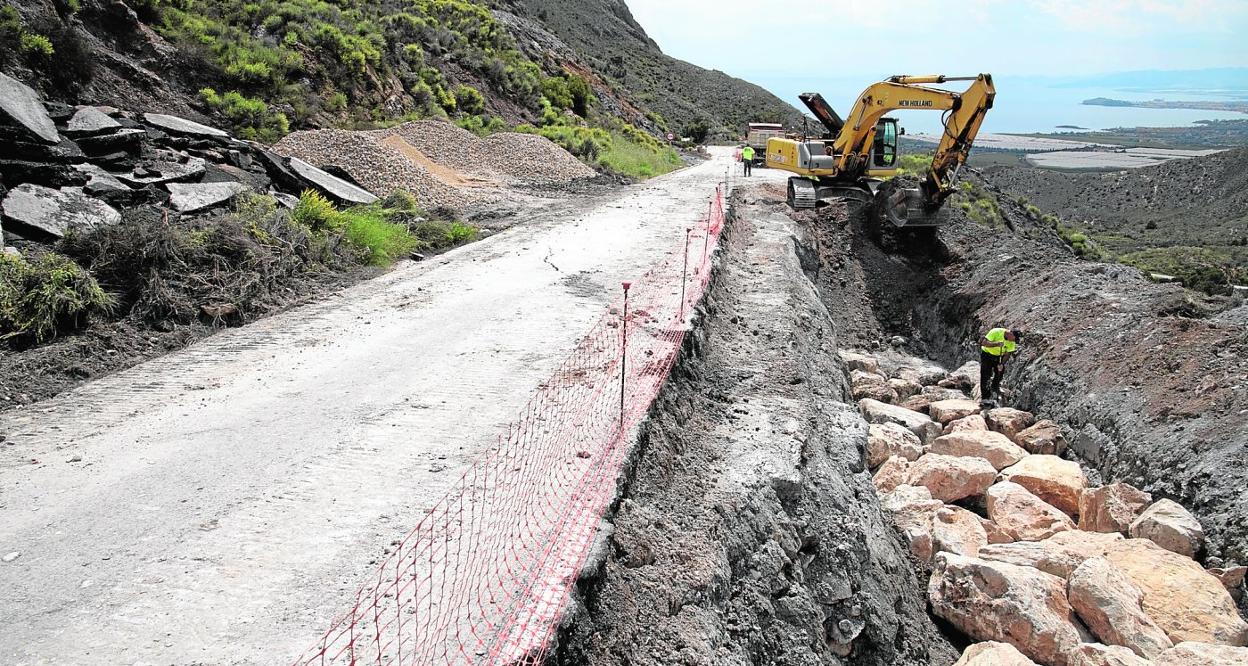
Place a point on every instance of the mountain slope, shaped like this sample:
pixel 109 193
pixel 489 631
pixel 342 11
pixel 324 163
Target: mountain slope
pixel 1185 217
pixel 611 41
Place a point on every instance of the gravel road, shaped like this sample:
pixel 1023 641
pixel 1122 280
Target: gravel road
pixel 221 504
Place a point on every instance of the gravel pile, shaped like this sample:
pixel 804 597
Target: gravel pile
pixel 378 168
pixel 467 169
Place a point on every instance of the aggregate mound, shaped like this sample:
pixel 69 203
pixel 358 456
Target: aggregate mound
pixel 443 165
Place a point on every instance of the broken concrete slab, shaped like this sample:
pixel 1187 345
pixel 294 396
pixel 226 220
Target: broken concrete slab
pixel 42 213
pixel 331 185
pixel 193 197
pixel 101 183
pixel 124 140
pixel 182 126
pixel 90 121
pixel 162 172
pixel 21 105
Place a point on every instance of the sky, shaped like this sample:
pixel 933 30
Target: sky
pixel 1038 37
pixel 840 46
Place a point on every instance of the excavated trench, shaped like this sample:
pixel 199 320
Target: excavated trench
pixel 747 529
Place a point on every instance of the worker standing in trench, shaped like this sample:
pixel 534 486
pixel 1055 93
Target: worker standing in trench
pixel 995 349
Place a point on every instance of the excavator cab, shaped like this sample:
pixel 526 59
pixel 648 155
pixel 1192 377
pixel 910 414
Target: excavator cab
pixel 884 150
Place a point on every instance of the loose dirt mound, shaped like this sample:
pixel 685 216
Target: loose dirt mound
pixel 443 165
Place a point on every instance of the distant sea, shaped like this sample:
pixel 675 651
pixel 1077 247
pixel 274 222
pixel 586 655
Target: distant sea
pixel 1027 105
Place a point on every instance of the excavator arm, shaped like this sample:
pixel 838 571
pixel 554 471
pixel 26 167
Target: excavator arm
pixel 964 115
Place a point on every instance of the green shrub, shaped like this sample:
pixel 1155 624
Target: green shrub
pixel 401 200
pixel 47 296
pixel 915 164
pixel 36 45
pixel 382 241
pixel 482 125
pixel 433 235
pixel 250 118
pixel 468 100
pixel 1205 269
pixel 316 212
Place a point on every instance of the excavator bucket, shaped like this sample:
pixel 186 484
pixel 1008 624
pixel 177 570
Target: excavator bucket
pixel 905 207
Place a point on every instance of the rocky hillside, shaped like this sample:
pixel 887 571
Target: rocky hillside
pixel 609 41
pixel 268 67
pixel 1187 217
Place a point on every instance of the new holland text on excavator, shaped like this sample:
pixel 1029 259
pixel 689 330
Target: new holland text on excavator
pixel 857 158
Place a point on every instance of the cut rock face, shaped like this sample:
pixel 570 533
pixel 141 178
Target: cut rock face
pixel 1021 514
pixel 20 105
pixel 1044 437
pixel 1167 524
pixel 951 478
pixel 1109 604
pixel 992 653
pixel 875 411
pixel 1111 508
pixel 1187 602
pixel 1054 480
pixel 994 601
pixel 39 212
pixel 890 439
pixel 994 447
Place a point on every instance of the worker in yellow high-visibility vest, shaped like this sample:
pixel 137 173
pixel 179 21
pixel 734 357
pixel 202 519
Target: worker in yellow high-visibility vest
pixel 995 349
pixel 747 159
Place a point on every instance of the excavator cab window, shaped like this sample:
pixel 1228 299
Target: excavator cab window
pixel 884 149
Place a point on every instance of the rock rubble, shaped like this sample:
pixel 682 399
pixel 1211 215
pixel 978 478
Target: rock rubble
pixel 79 168
pixel 1026 581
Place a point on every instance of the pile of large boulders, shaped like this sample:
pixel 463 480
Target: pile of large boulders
pixel 66 168
pixel 1028 558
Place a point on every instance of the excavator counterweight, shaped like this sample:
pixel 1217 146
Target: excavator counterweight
pixel 858 157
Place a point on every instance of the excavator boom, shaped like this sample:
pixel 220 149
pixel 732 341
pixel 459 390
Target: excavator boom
pixel 857 148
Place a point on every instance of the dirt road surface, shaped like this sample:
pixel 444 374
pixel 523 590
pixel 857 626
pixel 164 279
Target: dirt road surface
pixel 222 504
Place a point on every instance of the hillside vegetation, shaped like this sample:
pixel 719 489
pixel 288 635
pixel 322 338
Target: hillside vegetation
pixel 266 67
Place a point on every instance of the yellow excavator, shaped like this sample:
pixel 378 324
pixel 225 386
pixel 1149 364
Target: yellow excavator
pixel 856 159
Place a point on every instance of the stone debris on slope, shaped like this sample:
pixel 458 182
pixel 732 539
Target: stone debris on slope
pixel 69 168
pixel 1140 596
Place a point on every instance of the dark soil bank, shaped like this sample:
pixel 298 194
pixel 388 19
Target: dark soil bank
pixel 749 531
pixel 1154 388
